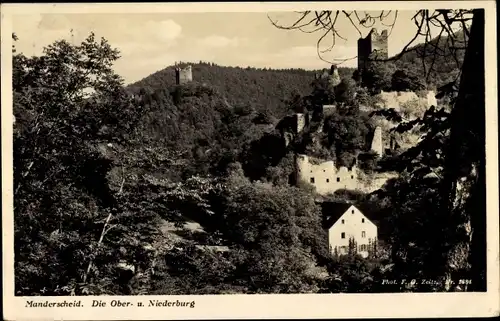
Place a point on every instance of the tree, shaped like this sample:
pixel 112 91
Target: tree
pixel 404 81
pixel 458 138
pixel 70 109
pixel 377 76
pixel 277 230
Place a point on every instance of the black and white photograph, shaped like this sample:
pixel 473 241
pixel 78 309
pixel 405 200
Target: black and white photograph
pixel 317 150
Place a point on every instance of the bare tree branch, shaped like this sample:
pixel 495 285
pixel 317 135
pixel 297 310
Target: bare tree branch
pixel 425 21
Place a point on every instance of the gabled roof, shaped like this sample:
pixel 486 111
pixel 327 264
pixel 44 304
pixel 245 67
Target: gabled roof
pixel 332 211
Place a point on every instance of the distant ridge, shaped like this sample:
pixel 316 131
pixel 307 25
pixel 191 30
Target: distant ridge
pixel 264 89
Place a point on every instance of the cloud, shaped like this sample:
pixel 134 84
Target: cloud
pixel 165 31
pixel 216 41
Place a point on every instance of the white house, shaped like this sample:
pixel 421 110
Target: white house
pixel 344 222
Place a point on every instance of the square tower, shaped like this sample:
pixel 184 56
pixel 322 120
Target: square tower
pixel 372 47
pixel 183 75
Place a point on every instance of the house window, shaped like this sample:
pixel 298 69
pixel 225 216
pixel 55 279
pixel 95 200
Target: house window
pixel 362 220
pixel 363 247
pixel 338 179
pixel 363 234
pixel 312 180
pixel 343 221
pixel 342 235
pixel 327 180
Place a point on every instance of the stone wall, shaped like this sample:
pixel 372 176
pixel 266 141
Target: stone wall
pixel 396 99
pixel 327 178
pixel 324 175
pixel 300 120
pixel 377 145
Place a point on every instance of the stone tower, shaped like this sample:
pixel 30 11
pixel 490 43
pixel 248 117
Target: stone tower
pixel 334 77
pixel 183 75
pixel 374 46
pixel 377 145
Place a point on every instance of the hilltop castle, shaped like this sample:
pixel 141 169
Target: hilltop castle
pixel 323 174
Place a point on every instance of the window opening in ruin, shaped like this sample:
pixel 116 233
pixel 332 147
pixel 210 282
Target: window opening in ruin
pixel 327 180
pixel 352 176
pixel 338 179
pixel 312 180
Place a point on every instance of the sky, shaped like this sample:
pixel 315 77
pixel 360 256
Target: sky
pixel 149 42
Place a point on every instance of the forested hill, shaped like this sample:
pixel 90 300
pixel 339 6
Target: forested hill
pixel 443 60
pixel 261 89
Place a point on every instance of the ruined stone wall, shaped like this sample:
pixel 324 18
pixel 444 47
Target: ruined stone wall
pixel 431 98
pixel 300 121
pixel 396 99
pixel 377 145
pixel 324 175
pixel 369 183
pixel 183 75
pixel 327 179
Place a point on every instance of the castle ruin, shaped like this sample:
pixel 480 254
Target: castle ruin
pixel 377 145
pixel 372 47
pixel 324 175
pixel 183 75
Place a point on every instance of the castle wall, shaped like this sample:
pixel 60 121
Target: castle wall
pixel 394 99
pixel 324 175
pixel 329 109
